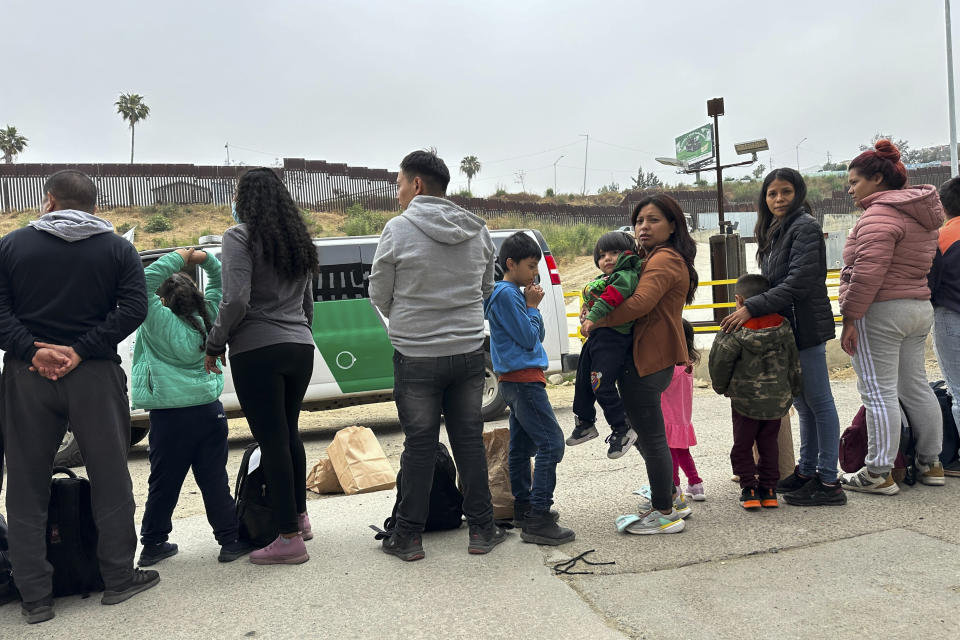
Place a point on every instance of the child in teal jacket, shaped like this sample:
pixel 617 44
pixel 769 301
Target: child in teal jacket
pixel 188 426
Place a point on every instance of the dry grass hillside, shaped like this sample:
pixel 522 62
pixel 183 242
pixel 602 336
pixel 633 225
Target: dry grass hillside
pixel 173 226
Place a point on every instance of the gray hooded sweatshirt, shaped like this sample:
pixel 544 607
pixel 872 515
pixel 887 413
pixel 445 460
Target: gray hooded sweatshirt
pixel 432 270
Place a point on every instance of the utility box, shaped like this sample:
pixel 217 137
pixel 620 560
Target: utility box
pixel 728 261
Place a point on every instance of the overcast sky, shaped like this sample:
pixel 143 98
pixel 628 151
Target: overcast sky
pixel 513 82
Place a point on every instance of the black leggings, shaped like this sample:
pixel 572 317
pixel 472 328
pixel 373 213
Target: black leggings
pixel 641 399
pixel 270 383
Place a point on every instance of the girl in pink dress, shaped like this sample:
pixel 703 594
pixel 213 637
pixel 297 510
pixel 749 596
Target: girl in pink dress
pixel 677 405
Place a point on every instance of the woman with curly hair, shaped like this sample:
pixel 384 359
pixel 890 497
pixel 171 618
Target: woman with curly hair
pixel 667 282
pixel 269 262
pixel 887 315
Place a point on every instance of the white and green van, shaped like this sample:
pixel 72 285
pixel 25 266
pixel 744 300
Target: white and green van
pixel 353 363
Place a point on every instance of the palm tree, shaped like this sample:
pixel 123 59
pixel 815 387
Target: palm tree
pixel 133 109
pixel 11 143
pixel 470 166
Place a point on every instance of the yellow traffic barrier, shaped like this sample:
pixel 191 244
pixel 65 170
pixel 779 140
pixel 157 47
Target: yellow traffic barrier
pixel 833 280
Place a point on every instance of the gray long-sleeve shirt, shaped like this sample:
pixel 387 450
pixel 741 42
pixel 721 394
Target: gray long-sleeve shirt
pixel 259 308
pixel 432 270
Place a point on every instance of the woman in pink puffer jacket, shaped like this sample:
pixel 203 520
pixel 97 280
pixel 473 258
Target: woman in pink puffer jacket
pixel 887 315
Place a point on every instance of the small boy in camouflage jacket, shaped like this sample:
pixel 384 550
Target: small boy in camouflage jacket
pixel 758 368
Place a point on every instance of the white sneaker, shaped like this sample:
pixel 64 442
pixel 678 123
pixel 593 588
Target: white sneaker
pixel 654 521
pixel 679 502
pixel 864 482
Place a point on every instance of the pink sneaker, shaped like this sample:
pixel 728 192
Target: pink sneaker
pixel 303 523
pixel 282 551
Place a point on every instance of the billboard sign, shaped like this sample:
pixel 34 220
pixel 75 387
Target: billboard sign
pixel 695 146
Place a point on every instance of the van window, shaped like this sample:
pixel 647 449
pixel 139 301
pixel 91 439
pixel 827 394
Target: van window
pixel 344 271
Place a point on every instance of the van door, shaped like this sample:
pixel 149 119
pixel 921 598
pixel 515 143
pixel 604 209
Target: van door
pixel 349 332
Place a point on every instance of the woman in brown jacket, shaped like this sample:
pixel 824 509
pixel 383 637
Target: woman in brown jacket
pixel 667 282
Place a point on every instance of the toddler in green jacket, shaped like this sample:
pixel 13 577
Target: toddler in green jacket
pixel 604 352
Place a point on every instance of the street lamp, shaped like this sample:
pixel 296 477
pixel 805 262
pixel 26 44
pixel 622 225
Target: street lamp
pixel 555 174
pixel 798 153
pixel 583 192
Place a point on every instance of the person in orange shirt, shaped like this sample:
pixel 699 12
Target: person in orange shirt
pixel 945 295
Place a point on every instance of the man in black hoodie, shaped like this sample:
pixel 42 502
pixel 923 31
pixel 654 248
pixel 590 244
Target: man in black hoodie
pixel 70 291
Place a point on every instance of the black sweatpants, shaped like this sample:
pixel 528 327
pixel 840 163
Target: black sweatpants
pixel 181 439
pixel 93 399
pixel 270 383
pixel 601 361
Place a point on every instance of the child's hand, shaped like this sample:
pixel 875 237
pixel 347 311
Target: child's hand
pixel 533 294
pixel 586 328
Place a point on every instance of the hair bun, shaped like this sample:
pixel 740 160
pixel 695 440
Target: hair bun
pixel 887 150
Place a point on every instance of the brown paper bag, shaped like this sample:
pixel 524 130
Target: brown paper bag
pixel 497 446
pixel 359 461
pixel 323 479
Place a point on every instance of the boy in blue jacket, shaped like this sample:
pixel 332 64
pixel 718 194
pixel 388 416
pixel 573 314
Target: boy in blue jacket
pixel 516 335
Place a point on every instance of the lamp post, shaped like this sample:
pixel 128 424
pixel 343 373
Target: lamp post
pixel 952 110
pixel 583 192
pixel 555 174
pixel 798 153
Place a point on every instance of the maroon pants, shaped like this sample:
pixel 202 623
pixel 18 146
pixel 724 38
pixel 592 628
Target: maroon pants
pixel 746 431
pixel 683 460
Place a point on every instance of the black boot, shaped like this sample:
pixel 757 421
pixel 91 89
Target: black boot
pixel 539 527
pixel 520 510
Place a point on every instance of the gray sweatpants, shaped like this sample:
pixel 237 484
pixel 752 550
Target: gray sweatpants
pixel 93 399
pixel 889 362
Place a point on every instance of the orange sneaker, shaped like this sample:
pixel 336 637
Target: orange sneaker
pixel 768 499
pixel 750 499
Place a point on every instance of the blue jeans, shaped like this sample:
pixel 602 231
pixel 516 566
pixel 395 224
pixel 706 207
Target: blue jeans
pixel 946 339
pixel 423 388
pixel 819 424
pixel 534 431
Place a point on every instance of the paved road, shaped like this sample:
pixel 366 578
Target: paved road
pixel 881 566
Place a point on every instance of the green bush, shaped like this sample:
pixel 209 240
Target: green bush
pixel 361 222
pixel 158 223
pixel 123 228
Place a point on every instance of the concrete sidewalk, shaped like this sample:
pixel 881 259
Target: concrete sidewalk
pixel 348 589
pixel 881 566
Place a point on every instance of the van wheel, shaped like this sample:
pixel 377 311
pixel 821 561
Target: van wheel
pixel 494 406
pixel 69 453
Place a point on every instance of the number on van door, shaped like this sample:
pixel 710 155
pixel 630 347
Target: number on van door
pixel 348 331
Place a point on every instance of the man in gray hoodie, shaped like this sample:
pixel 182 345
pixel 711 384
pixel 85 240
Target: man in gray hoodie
pixel 70 290
pixel 432 270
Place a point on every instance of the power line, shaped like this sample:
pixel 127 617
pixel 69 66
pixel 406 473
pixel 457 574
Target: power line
pixel 620 146
pixel 530 155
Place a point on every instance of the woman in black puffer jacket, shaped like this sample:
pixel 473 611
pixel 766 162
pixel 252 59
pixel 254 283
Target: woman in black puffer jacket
pixel 792 256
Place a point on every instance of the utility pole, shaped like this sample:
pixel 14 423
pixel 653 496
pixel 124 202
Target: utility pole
pixel 828 157
pixel 798 153
pixel 583 192
pixel 950 95
pixel 521 175
pixel 555 174
pixel 227 147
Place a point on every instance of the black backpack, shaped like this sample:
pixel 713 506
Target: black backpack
pixel 72 536
pixel 253 506
pixel 951 439
pixel 446 501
